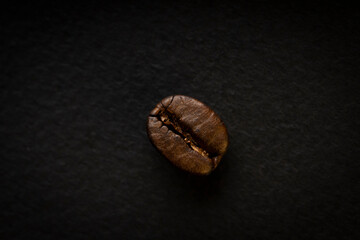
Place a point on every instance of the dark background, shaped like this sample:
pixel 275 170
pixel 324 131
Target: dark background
pixel 78 81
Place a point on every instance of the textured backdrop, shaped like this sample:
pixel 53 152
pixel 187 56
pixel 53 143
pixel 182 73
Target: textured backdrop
pixel 78 81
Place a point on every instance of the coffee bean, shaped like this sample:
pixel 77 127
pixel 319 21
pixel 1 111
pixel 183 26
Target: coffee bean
pixel 188 133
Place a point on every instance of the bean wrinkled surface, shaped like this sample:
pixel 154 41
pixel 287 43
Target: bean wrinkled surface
pixel 188 133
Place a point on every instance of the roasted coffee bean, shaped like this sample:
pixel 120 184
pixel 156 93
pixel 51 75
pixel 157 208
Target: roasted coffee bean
pixel 188 133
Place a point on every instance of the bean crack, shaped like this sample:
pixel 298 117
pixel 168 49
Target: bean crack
pixel 173 125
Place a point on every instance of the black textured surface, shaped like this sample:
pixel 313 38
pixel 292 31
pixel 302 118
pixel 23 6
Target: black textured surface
pixel 77 83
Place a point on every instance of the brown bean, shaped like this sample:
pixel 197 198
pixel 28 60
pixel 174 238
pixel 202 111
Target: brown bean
pixel 188 133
